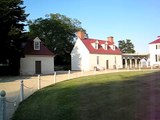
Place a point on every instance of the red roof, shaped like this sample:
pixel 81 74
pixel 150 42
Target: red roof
pixel 29 49
pixel 156 41
pixel 88 43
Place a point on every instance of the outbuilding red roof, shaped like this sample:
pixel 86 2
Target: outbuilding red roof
pixel 156 41
pixel 88 43
pixel 29 49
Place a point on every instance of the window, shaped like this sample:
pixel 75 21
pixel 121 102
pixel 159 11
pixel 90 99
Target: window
pixel 156 58
pixel 114 47
pixel 157 46
pixel 96 44
pixel 97 60
pixel 106 47
pixel 115 60
pixel 36 45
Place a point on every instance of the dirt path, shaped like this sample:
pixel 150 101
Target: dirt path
pixel 148 103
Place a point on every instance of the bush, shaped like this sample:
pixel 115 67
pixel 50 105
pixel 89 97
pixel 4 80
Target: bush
pixel 67 67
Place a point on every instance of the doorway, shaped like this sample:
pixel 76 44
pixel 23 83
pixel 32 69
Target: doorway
pixel 38 67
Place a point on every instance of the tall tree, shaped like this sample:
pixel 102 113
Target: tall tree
pixel 126 46
pixel 12 18
pixel 58 33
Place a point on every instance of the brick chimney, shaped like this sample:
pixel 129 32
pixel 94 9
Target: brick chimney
pixel 110 39
pixel 80 34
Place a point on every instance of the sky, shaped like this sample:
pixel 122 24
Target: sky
pixel 137 20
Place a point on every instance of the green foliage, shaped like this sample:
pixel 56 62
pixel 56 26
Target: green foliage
pixel 12 18
pixel 58 33
pixel 111 96
pixel 126 46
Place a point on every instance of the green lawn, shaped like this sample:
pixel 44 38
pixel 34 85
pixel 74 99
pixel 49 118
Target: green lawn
pixel 112 96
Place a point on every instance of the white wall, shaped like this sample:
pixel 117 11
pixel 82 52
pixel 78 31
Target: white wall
pixel 113 60
pixel 153 51
pixel 79 56
pixel 27 64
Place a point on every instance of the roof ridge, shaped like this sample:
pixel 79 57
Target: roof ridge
pixel 94 39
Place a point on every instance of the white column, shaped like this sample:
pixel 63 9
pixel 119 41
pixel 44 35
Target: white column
pixel 136 63
pixel 130 63
pixel 126 64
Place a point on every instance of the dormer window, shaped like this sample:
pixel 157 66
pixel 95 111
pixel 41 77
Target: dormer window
pixel 114 47
pixel 106 46
pixel 96 44
pixel 37 44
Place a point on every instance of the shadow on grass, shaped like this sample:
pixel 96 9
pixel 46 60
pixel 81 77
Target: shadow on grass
pixel 115 96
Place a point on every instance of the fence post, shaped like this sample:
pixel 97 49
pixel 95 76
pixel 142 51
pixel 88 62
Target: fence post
pixel 39 82
pixel 69 73
pixel 2 105
pixel 54 80
pixel 21 91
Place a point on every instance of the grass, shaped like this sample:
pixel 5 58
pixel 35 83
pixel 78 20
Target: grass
pixel 111 96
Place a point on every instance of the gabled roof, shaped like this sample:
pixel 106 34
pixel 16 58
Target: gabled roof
pixel 29 49
pixel 88 43
pixel 156 41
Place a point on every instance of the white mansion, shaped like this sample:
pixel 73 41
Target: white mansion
pixel 89 54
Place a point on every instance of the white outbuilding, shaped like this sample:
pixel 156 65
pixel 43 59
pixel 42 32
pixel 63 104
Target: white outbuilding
pixel 90 54
pixel 154 51
pixel 38 59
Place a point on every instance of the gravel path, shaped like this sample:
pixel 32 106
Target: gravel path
pixel 148 103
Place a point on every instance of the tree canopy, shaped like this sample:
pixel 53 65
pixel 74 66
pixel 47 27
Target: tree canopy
pixel 57 32
pixel 12 18
pixel 126 46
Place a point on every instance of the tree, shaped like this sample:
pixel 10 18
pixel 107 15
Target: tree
pixel 12 18
pixel 126 46
pixel 57 32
